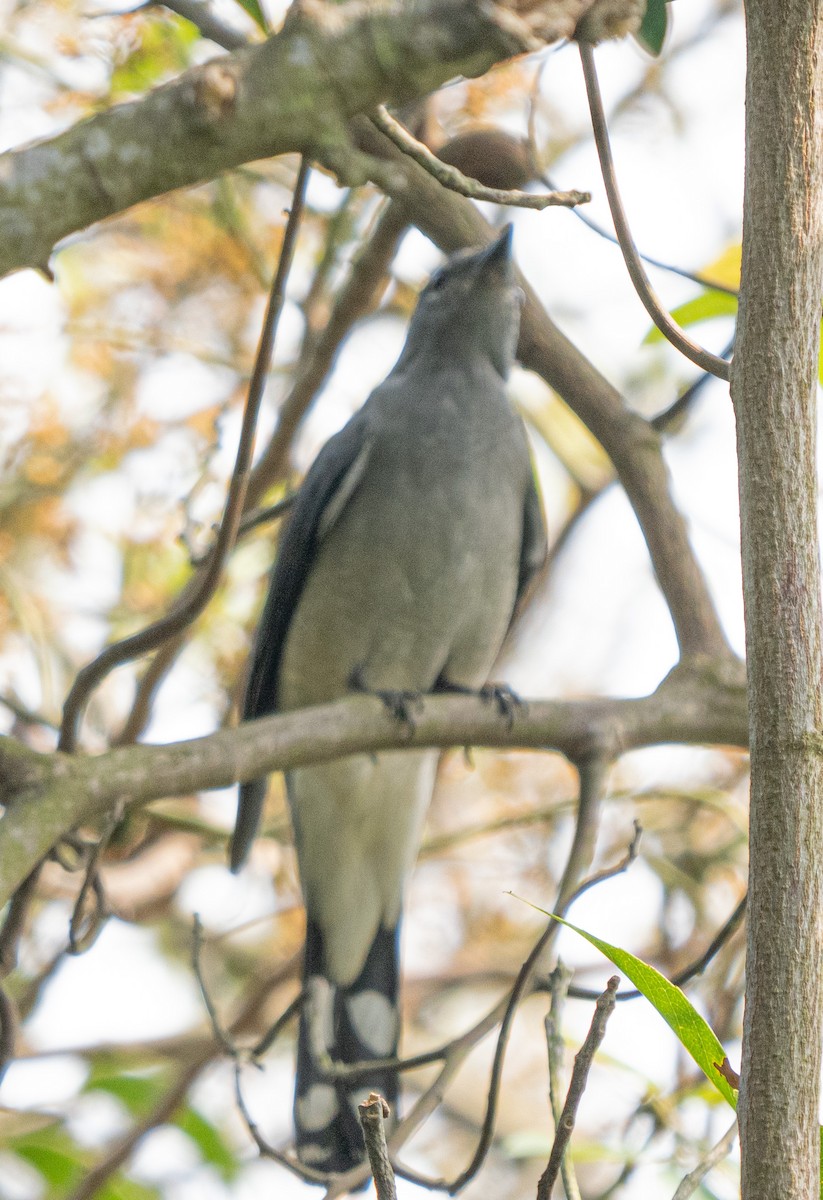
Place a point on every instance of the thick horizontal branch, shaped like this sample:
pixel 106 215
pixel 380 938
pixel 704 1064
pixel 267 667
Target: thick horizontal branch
pixel 58 792
pixel 294 92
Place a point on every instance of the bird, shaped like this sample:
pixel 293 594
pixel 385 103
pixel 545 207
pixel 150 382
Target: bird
pixel 413 538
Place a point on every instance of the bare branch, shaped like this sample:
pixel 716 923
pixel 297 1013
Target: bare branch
pixel 203 18
pixel 184 611
pixel 265 1148
pixel 359 294
pixel 691 1182
pixel 292 93
pixel 651 302
pixel 610 872
pixel 220 1036
pixel 372 1115
pixel 582 1063
pixel 559 985
pixel 693 706
pixel 456 181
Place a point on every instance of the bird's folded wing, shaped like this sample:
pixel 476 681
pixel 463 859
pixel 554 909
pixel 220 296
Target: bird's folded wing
pixel 326 490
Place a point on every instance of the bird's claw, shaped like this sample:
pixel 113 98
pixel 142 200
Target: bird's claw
pixel 507 700
pixel 398 702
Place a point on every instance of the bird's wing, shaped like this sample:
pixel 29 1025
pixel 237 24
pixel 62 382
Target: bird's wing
pixel 326 490
pixel 533 547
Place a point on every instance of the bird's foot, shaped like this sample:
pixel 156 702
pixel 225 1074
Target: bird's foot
pixel 507 701
pixel 401 704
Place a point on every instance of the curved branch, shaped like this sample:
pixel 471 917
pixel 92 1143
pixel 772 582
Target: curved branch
pixel 651 302
pixel 192 601
pixel 456 181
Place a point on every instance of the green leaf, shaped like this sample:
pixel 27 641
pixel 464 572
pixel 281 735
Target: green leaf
pixel 705 307
pixel 53 1155
pixel 652 32
pixel 139 1093
pixel 209 1142
pixel 693 1033
pixel 121 1188
pixel 252 7
pixel 162 50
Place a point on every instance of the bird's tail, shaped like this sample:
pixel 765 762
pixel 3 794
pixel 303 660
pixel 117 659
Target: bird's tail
pixel 351 1024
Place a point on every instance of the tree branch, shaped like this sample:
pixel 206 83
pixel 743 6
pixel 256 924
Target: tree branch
pixel 191 602
pixel 582 1063
pixel 774 389
pixel 456 181
pixel 691 706
pixel 294 92
pixel 650 300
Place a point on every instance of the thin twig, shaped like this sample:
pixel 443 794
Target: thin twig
pixel 582 1063
pixel 264 1147
pixel 610 872
pixel 559 981
pixel 581 214
pixel 691 1182
pixel 14 924
pixel 84 926
pixel 204 20
pixel 24 714
pixel 358 295
pixel 270 1037
pixel 670 416
pixel 263 516
pixel 147 688
pixel 592 773
pixel 372 1114
pixel 697 277
pixel 662 319
pixel 220 1035
pixel 181 615
pixel 456 181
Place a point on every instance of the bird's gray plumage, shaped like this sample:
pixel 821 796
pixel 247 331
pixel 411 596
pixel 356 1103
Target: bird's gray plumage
pixel 414 534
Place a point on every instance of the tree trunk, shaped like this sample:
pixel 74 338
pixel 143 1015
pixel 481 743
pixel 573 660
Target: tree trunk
pixel 774 391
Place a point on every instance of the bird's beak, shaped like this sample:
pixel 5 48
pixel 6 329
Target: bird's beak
pixel 498 254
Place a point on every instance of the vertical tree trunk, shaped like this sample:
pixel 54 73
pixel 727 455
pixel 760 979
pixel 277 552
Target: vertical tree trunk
pixel 774 391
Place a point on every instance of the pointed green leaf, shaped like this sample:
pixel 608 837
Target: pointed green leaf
pixel 53 1155
pixel 652 32
pixel 209 1142
pixel 121 1188
pixel 252 7
pixel 693 1033
pixel 139 1093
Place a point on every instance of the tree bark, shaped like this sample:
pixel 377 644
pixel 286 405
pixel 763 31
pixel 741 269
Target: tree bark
pixel 49 794
pixel 774 392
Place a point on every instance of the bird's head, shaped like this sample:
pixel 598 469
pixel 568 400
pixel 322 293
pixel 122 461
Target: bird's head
pixel 471 306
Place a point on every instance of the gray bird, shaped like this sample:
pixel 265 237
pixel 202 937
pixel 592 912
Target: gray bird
pixel 415 533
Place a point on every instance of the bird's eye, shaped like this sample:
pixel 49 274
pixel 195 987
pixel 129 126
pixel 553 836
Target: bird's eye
pixel 437 283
